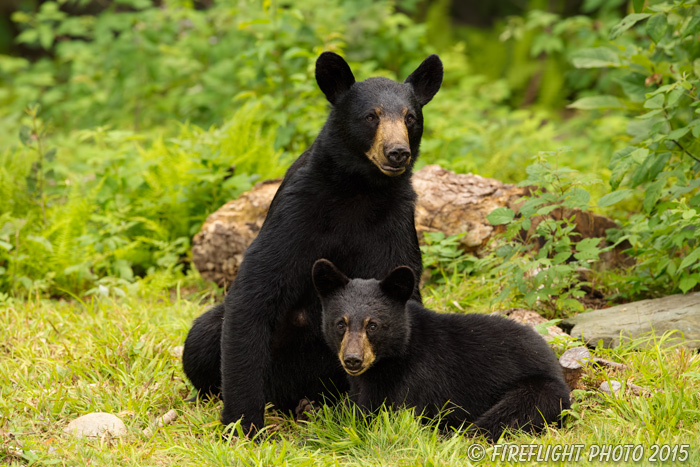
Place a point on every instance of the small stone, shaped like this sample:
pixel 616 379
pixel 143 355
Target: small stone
pixel 96 424
pixel 612 388
pixel 167 419
pixel 177 351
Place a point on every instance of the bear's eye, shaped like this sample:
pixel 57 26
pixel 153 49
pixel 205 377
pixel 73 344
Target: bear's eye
pixel 410 119
pixel 341 325
pixel 371 327
pixel 371 117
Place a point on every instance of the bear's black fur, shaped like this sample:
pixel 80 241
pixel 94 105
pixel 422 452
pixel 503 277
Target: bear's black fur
pixel 487 370
pixel 348 198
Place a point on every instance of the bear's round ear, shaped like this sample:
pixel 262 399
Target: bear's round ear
pixel 333 75
pixel 399 284
pixel 327 278
pixel 426 79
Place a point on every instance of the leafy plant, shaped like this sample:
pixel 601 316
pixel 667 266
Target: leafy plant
pixel 656 54
pixel 542 256
pixel 444 259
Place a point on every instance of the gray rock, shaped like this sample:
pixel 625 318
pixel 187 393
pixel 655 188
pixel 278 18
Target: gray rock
pixel 96 424
pixel 675 312
pixel 612 388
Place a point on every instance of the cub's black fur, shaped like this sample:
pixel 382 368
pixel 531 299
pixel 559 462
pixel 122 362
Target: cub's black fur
pixel 348 198
pixel 487 370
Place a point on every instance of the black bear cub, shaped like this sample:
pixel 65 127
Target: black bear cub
pixel 486 370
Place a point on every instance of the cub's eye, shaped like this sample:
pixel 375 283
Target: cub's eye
pixel 341 325
pixel 371 118
pixel 371 327
pixel 410 119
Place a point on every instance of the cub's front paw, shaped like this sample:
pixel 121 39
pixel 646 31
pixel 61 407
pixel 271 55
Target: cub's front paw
pixel 303 411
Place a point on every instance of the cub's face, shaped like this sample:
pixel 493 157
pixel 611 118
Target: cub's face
pixel 364 320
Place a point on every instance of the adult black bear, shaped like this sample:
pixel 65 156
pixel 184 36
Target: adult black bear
pixel 349 198
pixel 487 370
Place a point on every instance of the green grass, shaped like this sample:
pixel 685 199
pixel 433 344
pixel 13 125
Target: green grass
pixel 63 359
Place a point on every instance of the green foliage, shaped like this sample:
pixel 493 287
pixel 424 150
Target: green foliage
pixel 122 207
pixel 656 55
pixel 157 61
pixel 443 257
pixel 542 257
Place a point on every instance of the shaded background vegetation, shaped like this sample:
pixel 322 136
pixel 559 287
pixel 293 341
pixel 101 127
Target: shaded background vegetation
pixel 123 124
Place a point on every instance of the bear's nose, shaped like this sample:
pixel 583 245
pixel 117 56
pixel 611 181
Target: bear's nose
pixel 398 155
pixel 352 362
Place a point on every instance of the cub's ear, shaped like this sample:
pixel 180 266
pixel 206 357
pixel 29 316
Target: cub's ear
pixel 426 80
pixel 399 284
pixel 333 75
pixel 327 278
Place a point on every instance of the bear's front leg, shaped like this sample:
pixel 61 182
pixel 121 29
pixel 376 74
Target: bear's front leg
pixel 245 356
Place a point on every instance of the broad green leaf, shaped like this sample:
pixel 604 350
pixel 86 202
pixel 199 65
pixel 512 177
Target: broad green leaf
pixel 633 86
pixel 656 164
pixel 579 197
pixel 620 164
pixel 5 245
pixel 543 211
pixel 638 5
pixel 28 36
pixel 45 36
pixel 542 327
pixel 588 244
pixel 50 155
pixel 570 303
pixel 626 23
pixel 614 197
pixel 656 27
pixel 692 257
pixel 500 216
pixel 687 282
pixel 651 113
pixel 25 134
pixel 560 258
pixel 639 155
pixel 597 102
pixel 652 194
pixel 679 133
pixel 695 126
pixel 598 57
pixel 691 27
pixel 674 96
pixel 655 102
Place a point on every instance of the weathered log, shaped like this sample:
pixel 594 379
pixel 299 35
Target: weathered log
pixel 447 202
pixel 532 319
pixel 572 363
pixel 217 250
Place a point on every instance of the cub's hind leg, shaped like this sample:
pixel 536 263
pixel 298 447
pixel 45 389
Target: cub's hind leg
pixel 531 405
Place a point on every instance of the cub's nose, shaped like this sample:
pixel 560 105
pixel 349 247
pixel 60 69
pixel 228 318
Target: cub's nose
pixel 398 155
pixel 352 362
